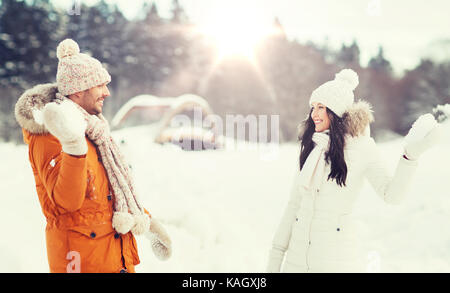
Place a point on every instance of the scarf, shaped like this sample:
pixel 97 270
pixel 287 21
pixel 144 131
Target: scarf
pixel 313 170
pixel 129 213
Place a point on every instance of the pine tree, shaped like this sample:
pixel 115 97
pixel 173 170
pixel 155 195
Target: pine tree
pixel 152 16
pixel 28 38
pixel 423 88
pixel 178 14
pixel 149 62
pixel 349 56
pixel 291 71
pixel 26 48
pixel 379 63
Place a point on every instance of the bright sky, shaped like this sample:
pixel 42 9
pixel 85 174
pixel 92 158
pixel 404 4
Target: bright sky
pixel 405 28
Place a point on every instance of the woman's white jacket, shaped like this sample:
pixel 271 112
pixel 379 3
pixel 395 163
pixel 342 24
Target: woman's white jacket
pixel 317 232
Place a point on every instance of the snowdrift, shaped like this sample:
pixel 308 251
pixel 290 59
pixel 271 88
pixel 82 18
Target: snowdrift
pixel 221 208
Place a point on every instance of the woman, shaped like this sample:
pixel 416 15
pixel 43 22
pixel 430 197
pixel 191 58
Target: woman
pixel 317 233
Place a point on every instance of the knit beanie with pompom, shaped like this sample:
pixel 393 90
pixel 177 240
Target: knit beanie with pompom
pixel 76 71
pixel 337 95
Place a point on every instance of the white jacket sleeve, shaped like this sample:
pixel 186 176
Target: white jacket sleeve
pixel 283 234
pixel 391 188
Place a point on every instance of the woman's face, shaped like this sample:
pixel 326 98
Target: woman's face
pixel 320 117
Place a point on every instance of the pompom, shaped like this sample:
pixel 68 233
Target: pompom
pixel 142 224
pixel 122 222
pixel 67 48
pixel 348 76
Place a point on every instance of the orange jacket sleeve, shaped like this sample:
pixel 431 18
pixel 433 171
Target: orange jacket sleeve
pixel 63 176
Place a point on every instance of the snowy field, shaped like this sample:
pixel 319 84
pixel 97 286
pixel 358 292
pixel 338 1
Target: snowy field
pixel 221 209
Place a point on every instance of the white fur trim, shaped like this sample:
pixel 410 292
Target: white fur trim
pixel 358 118
pixel 34 99
pixel 122 222
pixel 142 224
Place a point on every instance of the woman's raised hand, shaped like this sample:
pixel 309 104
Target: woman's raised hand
pixel 424 134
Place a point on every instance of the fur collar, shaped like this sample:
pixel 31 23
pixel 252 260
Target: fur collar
pixel 357 119
pixel 31 102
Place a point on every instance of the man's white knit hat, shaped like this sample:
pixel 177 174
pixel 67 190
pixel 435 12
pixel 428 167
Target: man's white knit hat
pixel 337 95
pixel 76 71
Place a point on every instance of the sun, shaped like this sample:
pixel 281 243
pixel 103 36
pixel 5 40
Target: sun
pixel 237 39
pixel 237 32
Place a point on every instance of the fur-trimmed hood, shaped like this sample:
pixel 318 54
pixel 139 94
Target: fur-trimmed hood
pixel 357 120
pixel 31 103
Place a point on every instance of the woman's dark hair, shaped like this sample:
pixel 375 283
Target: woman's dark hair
pixel 335 154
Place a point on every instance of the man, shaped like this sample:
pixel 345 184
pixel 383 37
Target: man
pixel 84 187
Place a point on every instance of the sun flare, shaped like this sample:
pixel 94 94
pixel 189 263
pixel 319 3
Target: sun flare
pixel 239 34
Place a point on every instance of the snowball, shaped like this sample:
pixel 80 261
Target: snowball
pixel 442 113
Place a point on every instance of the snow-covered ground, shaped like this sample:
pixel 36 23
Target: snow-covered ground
pixel 221 208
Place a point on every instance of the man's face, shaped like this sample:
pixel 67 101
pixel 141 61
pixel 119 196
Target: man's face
pixel 92 99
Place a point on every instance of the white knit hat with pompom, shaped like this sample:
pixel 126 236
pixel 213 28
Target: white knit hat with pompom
pixel 337 95
pixel 76 71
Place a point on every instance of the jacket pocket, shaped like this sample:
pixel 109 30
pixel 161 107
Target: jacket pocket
pixel 95 245
pixel 95 231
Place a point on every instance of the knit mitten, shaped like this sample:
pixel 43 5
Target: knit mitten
pixel 424 134
pixel 67 124
pixel 160 240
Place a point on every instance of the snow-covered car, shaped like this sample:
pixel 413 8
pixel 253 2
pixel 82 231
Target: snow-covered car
pixel 182 120
pixel 189 138
pixel 140 110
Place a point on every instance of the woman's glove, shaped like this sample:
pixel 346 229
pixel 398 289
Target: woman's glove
pixel 424 134
pixel 160 240
pixel 67 124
